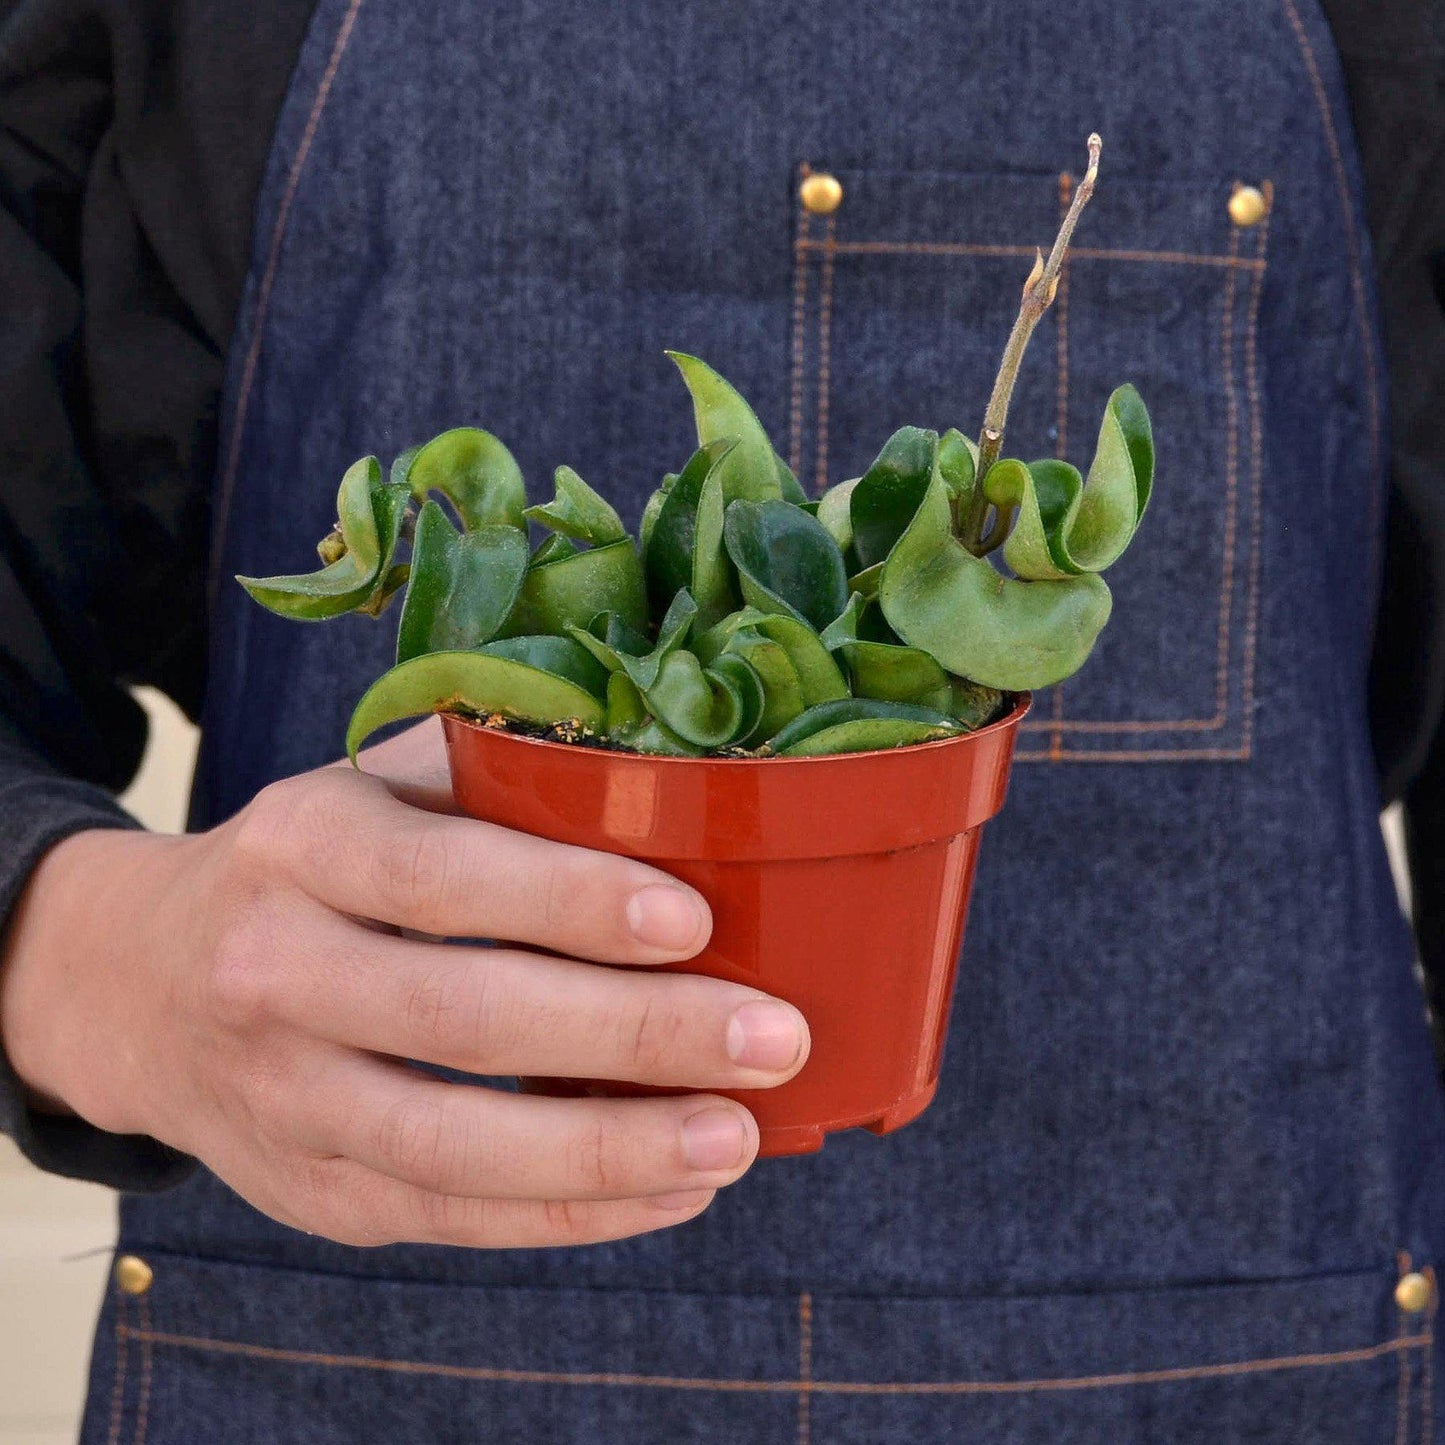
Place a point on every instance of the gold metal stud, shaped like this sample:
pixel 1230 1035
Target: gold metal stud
pixel 133 1275
pixel 1414 1293
pixel 821 194
pixel 1247 206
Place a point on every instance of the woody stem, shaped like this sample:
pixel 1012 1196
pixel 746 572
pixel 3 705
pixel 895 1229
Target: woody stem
pixel 1039 291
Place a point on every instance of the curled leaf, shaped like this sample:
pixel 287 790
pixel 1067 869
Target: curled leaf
pixel 999 631
pixel 470 681
pixel 860 725
pixel 888 493
pixel 463 585
pixel 787 561
pixel 1068 524
pixel 579 512
pixel 753 470
pixel 572 590
pixel 561 656
pixel 369 513
pixel 473 471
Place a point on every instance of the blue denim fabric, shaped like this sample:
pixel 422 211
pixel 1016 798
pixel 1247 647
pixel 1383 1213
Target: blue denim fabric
pixel 1189 1122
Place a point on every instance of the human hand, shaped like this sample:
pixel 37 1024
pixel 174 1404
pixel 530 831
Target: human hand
pixel 247 995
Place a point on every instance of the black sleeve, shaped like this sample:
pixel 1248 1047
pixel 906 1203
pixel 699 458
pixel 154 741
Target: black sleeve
pixel 133 135
pixel 1394 58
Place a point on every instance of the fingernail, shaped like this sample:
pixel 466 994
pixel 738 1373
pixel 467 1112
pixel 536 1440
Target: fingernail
pixel 664 917
pixel 687 1199
pixel 714 1139
pixel 765 1035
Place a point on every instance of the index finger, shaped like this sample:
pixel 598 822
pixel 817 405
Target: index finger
pixel 372 856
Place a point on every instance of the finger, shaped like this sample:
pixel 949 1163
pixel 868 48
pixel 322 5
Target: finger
pixel 413 766
pixel 503 1011
pixel 354 1205
pixel 362 852
pixel 462 1139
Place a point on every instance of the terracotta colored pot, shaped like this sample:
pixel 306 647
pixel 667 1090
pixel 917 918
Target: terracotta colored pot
pixel 837 883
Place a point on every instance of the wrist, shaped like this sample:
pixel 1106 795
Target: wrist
pixel 63 983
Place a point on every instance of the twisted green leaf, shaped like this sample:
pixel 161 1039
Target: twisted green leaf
pixel 787 561
pixel 473 471
pixel 369 512
pixel 753 470
pixel 470 681
pixel 561 656
pixel 572 590
pixel 579 512
pixel 1068 524
pixel 463 585
pixel 995 630
pixel 886 671
pixel 858 725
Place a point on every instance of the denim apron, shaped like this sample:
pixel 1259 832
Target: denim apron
pixel 1188 1141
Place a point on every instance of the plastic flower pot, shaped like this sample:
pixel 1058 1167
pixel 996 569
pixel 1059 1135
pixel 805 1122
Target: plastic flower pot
pixel 838 883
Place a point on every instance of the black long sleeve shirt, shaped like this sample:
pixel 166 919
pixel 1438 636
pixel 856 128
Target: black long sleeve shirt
pixel 133 135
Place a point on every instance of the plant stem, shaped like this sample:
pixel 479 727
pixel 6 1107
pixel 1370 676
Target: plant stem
pixel 1039 291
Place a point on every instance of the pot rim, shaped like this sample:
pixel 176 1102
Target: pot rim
pixel 1023 701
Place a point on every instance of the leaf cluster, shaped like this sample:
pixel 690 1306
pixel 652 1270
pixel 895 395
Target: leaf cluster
pixel 746 617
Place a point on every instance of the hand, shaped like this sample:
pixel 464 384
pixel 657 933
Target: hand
pixel 246 995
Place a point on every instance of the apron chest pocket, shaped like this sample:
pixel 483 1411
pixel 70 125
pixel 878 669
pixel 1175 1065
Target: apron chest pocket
pixel 903 297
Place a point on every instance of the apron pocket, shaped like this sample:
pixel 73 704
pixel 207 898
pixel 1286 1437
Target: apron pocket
pixel 228 1352
pixel 903 299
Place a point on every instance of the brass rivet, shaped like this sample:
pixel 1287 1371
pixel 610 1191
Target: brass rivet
pixel 821 194
pixel 133 1274
pixel 1247 206
pixel 1414 1293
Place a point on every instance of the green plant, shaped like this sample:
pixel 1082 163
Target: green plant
pixel 747 617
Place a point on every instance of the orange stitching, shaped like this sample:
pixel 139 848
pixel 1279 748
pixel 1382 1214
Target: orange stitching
pixel 1357 279
pixel 1264 1365
pixel 1256 470
pixel 117 1388
pixel 143 1408
pixel 1231 489
pixel 1158 755
pixel 1079 253
pixel 800 306
pixel 805 1365
pixel 268 276
pixel 1124 725
pixel 825 354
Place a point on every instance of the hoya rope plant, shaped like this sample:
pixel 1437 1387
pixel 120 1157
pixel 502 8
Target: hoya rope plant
pixel 747 619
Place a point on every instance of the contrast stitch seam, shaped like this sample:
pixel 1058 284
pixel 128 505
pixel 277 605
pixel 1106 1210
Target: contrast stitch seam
pixel 800 313
pixel 1357 278
pixel 825 354
pixel 142 1415
pixel 805 1366
pixel 273 263
pixel 1256 466
pixel 117 1386
pixel 1124 725
pixel 1143 755
pixel 1231 489
pixel 1079 253
pixel 1262 1365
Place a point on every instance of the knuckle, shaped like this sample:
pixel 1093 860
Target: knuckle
pixel 652 1038
pixel 444 1007
pixel 445 1217
pixel 569 1221
pixel 416 871
pixel 263 825
pixel 243 981
pixel 598 1166
pixel 411 1139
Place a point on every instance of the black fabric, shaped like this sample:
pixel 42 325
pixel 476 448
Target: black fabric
pixel 133 136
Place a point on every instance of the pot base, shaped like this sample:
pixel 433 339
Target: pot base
pixel 779 1142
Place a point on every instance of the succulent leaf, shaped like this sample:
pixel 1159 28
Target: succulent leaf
pixel 473 471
